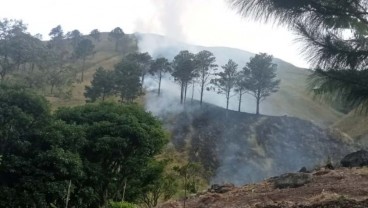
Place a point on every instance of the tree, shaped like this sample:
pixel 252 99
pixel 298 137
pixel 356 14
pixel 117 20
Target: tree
pixel 39 154
pixel 242 84
pixel 262 74
pixel 226 80
pixel 58 75
pixel 183 71
pixel 157 183
pixel 190 173
pixel 57 45
pixel 116 35
pixel 10 30
pixel 75 36
pixel 84 49
pixel 205 61
pixel 334 34
pixel 102 85
pixel 142 60
pixel 95 34
pixel 56 33
pixel 127 81
pixel 121 141
pixel 158 68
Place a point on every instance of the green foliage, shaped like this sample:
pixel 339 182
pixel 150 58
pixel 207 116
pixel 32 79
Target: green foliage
pixel 121 141
pixel 334 33
pixel 262 74
pixel 184 71
pixel 226 80
pixel 205 63
pixel 142 60
pixel 75 36
pixel 39 155
pixel 83 49
pixel 113 204
pixel 95 34
pixel 157 184
pixel 127 81
pixel 116 35
pixel 102 85
pixel 158 68
pixel 12 39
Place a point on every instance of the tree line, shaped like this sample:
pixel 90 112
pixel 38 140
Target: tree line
pixel 257 78
pixel 85 156
pixel 26 59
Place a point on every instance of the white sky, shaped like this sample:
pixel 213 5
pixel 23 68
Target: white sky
pixel 202 22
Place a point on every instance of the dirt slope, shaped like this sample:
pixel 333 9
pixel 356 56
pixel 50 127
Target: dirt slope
pixel 340 188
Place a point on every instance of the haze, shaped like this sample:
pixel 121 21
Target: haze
pixel 201 22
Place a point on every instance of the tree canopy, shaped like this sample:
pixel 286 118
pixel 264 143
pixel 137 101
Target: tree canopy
pixel 262 80
pixel 226 80
pixel 335 37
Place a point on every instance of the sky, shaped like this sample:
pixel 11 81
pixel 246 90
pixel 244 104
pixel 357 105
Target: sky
pixel 200 22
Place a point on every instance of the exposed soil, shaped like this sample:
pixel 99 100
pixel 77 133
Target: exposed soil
pixel 339 188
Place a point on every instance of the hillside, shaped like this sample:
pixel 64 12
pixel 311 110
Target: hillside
pixel 242 148
pixel 340 188
pixel 292 99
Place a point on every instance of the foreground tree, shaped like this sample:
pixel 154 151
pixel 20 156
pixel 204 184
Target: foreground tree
pixel 39 154
pixel 116 35
pixel 158 68
pixel 102 85
pixel 226 80
pixel 121 141
pixel 340 59
pixel 206 66
pixel 184 71
pixel 84 49
pixel 262 74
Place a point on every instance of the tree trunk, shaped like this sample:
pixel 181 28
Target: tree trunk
pixel 258 101
pixel 125 184
pixel 68 194
pixel 83 65
pixel 159 84
pixel 202 88
pixel 181 93
pixel 116 45
pixel 258 98
pixel 142 79
pixel 192 93
pixel 185 95
pixel 240 99
pixel 52 89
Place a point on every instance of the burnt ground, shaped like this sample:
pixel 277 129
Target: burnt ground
pixel 339 188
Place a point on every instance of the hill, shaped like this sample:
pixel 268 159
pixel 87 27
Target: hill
pixel 292 99
pixel 243 148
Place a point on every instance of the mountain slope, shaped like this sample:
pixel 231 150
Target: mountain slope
pixel 292 99
pixel 243 148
